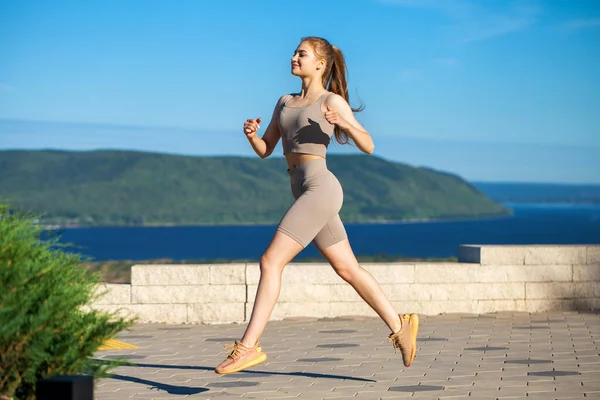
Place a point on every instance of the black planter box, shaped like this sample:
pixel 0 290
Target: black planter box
pixel 66 387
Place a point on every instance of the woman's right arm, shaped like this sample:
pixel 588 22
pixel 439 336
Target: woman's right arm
pixel 264 146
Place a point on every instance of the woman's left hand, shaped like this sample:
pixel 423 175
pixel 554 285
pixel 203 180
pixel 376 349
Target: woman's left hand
pixel 334 118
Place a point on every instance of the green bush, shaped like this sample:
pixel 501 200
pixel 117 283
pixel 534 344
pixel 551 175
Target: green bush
pixel 45 327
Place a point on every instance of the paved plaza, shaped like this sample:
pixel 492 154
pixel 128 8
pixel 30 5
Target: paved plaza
pixel 551 355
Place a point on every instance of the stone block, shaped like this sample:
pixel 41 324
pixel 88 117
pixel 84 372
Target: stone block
pixel 299 273
pixel 407 292
pixel 323 273
pixel 392 273
pixel 155 313
pixel 165 313
pixel 539 305
pixel 451 291
pixel 290 310
pixel 112 293
pixel 553 255
pixel 351 308
pixel 491 255
pixel 216 313
pixel 474 273
pixel 142 275
pixel 227 274
pixel 492 306
pixel 541 273
pixel 587 273
pixel 411 306
pixel 446 272
pixel 593 255
pixel 530 273
pixel 594 304
pixel 118 310
pixel 252 273
pixel 469 291
pixel 309 293
pixel 587 304
pixel 494 291
pixel 562 290
pixel 311 273
pixel 188 294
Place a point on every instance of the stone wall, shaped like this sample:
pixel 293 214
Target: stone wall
pixel 485 279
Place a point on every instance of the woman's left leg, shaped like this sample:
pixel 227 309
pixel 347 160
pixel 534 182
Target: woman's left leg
pixel 341 257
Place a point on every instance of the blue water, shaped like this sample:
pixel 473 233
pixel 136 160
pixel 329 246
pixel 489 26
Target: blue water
pixel 530 224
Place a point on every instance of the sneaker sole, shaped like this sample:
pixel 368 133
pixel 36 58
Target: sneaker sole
pixel 258 360
pixel 414 330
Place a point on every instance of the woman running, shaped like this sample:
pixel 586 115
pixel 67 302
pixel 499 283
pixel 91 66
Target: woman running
pixel 305 122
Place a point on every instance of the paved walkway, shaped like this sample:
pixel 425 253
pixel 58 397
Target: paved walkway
pixel 494 356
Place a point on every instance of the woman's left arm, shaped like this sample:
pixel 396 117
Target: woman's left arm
pixel 338 112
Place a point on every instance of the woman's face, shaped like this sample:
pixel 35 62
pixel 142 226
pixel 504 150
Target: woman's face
pixel 305 62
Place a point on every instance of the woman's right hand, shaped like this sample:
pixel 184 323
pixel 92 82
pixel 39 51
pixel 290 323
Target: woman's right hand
pixel 251 126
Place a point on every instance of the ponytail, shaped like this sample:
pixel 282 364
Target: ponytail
pixel 339 85
pixel 334 77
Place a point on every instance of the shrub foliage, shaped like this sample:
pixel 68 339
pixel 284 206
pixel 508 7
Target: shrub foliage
pixel 46 325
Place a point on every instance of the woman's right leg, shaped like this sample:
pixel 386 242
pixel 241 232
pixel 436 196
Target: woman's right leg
pixel 247 353
pixel 303 220
pixel 291 236
pixel 280 252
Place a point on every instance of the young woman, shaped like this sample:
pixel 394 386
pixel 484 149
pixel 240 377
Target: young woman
pixel 305 122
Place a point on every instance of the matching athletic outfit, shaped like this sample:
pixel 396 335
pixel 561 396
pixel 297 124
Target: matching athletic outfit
pixel 314 216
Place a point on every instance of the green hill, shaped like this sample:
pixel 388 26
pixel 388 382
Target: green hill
pixel 134 188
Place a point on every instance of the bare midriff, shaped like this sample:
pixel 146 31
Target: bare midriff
pixel 296 159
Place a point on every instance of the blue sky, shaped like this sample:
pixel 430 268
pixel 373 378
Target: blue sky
pixel 491 90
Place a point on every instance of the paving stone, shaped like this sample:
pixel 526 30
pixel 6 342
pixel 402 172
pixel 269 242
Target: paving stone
pixel 500 355
pixel 541 395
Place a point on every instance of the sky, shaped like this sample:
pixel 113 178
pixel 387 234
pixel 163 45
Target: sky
pixel 490 90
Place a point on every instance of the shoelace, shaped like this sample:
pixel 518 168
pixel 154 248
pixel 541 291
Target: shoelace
pixel 395 337
pixel 235 352
pixel 395 342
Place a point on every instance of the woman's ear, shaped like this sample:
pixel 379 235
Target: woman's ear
pixel 321 64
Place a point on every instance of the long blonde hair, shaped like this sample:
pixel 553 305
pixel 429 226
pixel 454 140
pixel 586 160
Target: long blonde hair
pixel 334 76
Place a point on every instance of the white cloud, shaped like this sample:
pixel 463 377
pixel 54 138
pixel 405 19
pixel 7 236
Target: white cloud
pixel 475 20
pixel 578 24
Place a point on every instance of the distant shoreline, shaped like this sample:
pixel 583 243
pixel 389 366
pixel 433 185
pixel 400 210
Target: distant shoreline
pixel 251 224
pixel 508 205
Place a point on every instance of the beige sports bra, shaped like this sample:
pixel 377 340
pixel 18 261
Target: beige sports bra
pixel 304 129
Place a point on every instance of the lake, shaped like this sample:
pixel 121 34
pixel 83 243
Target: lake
pixel 530 224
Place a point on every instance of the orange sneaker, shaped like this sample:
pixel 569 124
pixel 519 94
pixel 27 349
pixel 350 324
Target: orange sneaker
pixel 406 338
pixel 241 357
